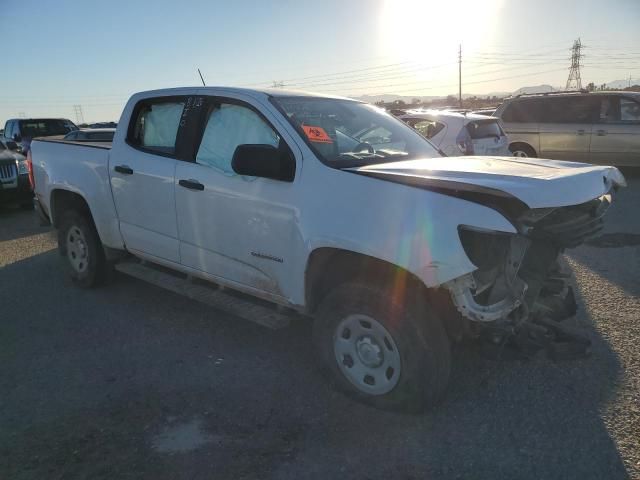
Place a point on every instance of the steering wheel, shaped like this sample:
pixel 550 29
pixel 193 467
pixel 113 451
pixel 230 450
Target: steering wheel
pixel 364 146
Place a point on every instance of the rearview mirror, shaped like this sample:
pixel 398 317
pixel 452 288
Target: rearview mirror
pixel 264 161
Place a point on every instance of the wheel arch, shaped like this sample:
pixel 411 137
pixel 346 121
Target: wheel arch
pixel 329 266
pixel 61 200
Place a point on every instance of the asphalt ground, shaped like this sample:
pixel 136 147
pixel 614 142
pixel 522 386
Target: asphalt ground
pixel 130 381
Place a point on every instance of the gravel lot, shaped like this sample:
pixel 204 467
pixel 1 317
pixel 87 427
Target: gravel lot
pixel 130 381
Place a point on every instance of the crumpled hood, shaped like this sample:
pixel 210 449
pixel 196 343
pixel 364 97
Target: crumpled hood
pixel 538 183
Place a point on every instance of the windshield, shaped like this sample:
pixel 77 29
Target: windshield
pixel 346 133
pixel 45 127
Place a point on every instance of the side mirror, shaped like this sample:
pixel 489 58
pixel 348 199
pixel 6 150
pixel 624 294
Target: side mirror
pixel 264 161
pixel 17 137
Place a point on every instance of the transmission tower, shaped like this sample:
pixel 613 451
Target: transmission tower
pixel 77 109
pixel 574 82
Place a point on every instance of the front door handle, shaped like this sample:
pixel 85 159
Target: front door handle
pixel 580 132
pixel 191 184
pixel 601 133
pixel 123 169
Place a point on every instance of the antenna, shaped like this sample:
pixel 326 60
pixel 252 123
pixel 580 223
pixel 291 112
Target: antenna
pixel 201 78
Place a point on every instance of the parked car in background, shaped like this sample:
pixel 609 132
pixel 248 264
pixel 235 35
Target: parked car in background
pixel 91 135
pixel 23 130
pixel 103 125
pixel 15 178
pixel 596 127
pixel 329 207
pixel 460 134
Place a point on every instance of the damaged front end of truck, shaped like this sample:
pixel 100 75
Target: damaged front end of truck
pixel 519 290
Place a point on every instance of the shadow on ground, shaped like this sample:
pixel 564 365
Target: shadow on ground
pixel 96 384
pixel 16 223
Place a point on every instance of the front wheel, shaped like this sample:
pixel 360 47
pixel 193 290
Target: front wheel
pixel 79 244
pixel 522 150
pixel 388 352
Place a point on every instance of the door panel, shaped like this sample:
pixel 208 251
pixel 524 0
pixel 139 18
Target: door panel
pixel 565 141
pixel 237 228
pixel 231 230
pixel 616 136
pixel 566 125
pixel 142 173
pixel 145 202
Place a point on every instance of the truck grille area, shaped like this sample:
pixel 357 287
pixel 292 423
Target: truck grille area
pixel 568 227
pixel 8 172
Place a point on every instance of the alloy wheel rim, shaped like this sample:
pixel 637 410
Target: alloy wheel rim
pixel 367 354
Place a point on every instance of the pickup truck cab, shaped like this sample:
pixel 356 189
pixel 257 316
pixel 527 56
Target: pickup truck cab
pixel 23 130
pixel 328 207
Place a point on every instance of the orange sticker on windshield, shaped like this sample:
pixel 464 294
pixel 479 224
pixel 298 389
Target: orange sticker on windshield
pixel 316 134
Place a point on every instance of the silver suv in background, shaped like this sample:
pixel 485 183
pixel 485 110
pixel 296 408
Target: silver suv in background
pixel 596 127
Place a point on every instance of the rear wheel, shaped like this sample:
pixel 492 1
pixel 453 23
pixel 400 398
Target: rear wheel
pixel 522 150
pixel 79 244
pixel 387 352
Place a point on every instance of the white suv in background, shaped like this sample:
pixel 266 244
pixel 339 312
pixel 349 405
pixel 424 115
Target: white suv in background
pixel 459 133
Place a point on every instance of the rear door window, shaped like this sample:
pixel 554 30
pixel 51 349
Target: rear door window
pixel 571 109
pixel 484 129
pixel 155 125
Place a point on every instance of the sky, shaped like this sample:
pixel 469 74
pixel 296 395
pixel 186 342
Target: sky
pixel 62 53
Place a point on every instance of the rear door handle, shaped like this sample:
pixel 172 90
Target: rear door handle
pixel 123 169
pixel 191 184
pixel 601 133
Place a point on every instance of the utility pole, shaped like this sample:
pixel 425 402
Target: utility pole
pixel 460 75
pixel 574 81
pixel 77 109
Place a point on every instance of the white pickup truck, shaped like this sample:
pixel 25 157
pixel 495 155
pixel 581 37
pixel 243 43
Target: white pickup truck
pixel 329 207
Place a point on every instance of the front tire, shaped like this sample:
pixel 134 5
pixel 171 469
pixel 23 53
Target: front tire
pixel 79 244
pixel 522 150
pixel 389 352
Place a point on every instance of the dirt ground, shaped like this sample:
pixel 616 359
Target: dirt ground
pixel 129 381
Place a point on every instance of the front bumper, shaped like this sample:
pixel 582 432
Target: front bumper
pixel 519 275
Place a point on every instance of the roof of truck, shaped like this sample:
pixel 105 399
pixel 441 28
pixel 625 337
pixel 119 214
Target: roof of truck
pixel 268 92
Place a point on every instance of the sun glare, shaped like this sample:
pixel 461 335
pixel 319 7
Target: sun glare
pixel 429 31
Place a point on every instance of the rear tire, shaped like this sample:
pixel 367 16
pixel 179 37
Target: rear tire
pixel 392 353
pixel 79 244
pixel 522 150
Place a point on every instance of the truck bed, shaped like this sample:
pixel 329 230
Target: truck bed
pixel 60 139
pixel 83 169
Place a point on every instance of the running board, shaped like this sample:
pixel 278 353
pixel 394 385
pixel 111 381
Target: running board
pixel 202 292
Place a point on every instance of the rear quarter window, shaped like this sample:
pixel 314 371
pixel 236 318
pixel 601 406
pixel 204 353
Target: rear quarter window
pixel 484 129
pixel 426 128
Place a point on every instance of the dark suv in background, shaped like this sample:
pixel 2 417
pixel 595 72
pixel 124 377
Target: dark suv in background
pixel 22 130
pixel 596 127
